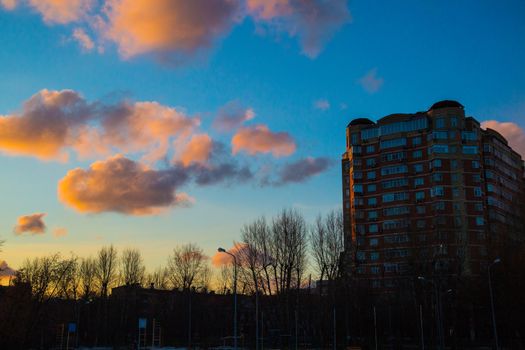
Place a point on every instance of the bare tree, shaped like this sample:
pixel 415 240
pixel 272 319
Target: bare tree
pixel 157 278
pixel 131 267
pixel 288 250
pixel 187 266
pixel 326 241
pixel 87 271
pixel 68 284
pixel 105 271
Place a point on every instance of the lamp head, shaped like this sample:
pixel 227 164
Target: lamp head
pixel 497 261
pixel 221 250
pixel 421 278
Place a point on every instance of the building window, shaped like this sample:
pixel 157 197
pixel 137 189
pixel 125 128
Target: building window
pixel 455 192
pixel 375 270
pixel 358 188
pixel 396 169
pixel 371 175
pixel 393 143
pixel 454 122
pixel 373 228
pixel 478 206
pixel 417 154
pixel 421 223
pixel 421 209
pixel 416 141
pixel 440 123
pixel 370 149
pixel 371 188
pixel 355 138
pixel 372 201
pixel 437 191
pixel 420 195
pixel 437 177
pixel 436 163
pixel 453 164
pixel 391 197
pixel 357 175
pixel 361 256
pixel 470 149
pixel 418 168
pixel 477 191
pixel 374 256
pixel 371 162
pixel 373 242
pixel 480 221
pixel 475 164
pixel 372 214
pixel 419 181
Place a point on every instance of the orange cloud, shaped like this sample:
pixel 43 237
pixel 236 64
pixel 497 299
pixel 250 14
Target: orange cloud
pixel 52 123
pixel 32 224
pixel 197 150
pixel 60 232
pixel 514 134
pixel 45 125
pixel 221 259
pixel 8 4
pixel 166 26
pixel 313 21
pixel 62 11
pixel 121 185
pixel 231 116
pixel 259 139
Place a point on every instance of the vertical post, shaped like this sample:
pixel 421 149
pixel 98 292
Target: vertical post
pixel 153 335
pixel 335 330
pixel 421 327
pixel 67 339
pixel 296 331
pixel 495 330
pixel 262 330
pixel 256 315
pixel 235 302
pixel 189 318
pixel 375 326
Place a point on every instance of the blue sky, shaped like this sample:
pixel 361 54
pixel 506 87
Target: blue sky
pixel 414 53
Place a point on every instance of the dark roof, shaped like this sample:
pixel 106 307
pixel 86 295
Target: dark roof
pixel 446 104
pixel 361 121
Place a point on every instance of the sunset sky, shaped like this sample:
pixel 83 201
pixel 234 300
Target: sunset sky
pixel 150 123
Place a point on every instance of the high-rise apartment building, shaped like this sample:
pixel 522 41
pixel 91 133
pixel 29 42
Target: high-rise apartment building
pixel 425 193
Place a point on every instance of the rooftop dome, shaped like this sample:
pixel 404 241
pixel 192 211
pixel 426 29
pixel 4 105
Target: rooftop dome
pixel 361 121
pixel 446 104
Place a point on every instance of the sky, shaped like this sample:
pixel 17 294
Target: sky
pixel 153 123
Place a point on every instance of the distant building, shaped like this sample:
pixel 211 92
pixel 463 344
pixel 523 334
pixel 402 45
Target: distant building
pixel 426 193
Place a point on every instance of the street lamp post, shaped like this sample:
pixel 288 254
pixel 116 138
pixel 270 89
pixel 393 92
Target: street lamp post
pixel 439 311
pixel 496 261
pixel 222 250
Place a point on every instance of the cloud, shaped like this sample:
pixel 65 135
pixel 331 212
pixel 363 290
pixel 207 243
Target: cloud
pixel 167 26
pixel 314 22
pixel 121 185
pixel 84 40
pixel 8 4
pixel 371 82
pixel 6 273
pixel 32 224
pixel 54 123
pixel 222 259
pixel 60 232
pixel 62 11
pixel 301 170
pixel 197 150
pixel 322 104
pixel 47 123
pixel 259 139
pixel 514 134
pixel 231 116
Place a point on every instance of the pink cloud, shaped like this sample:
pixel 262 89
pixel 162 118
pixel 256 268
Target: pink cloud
pixel 259 139
pixel 231 116
pixel 62 11
pixel 371 82
pixel 32 224
pixel 84 40
pixel 514 134
pixel 8 4
pixel 314 22
pixel 322 104
pixel 222 259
